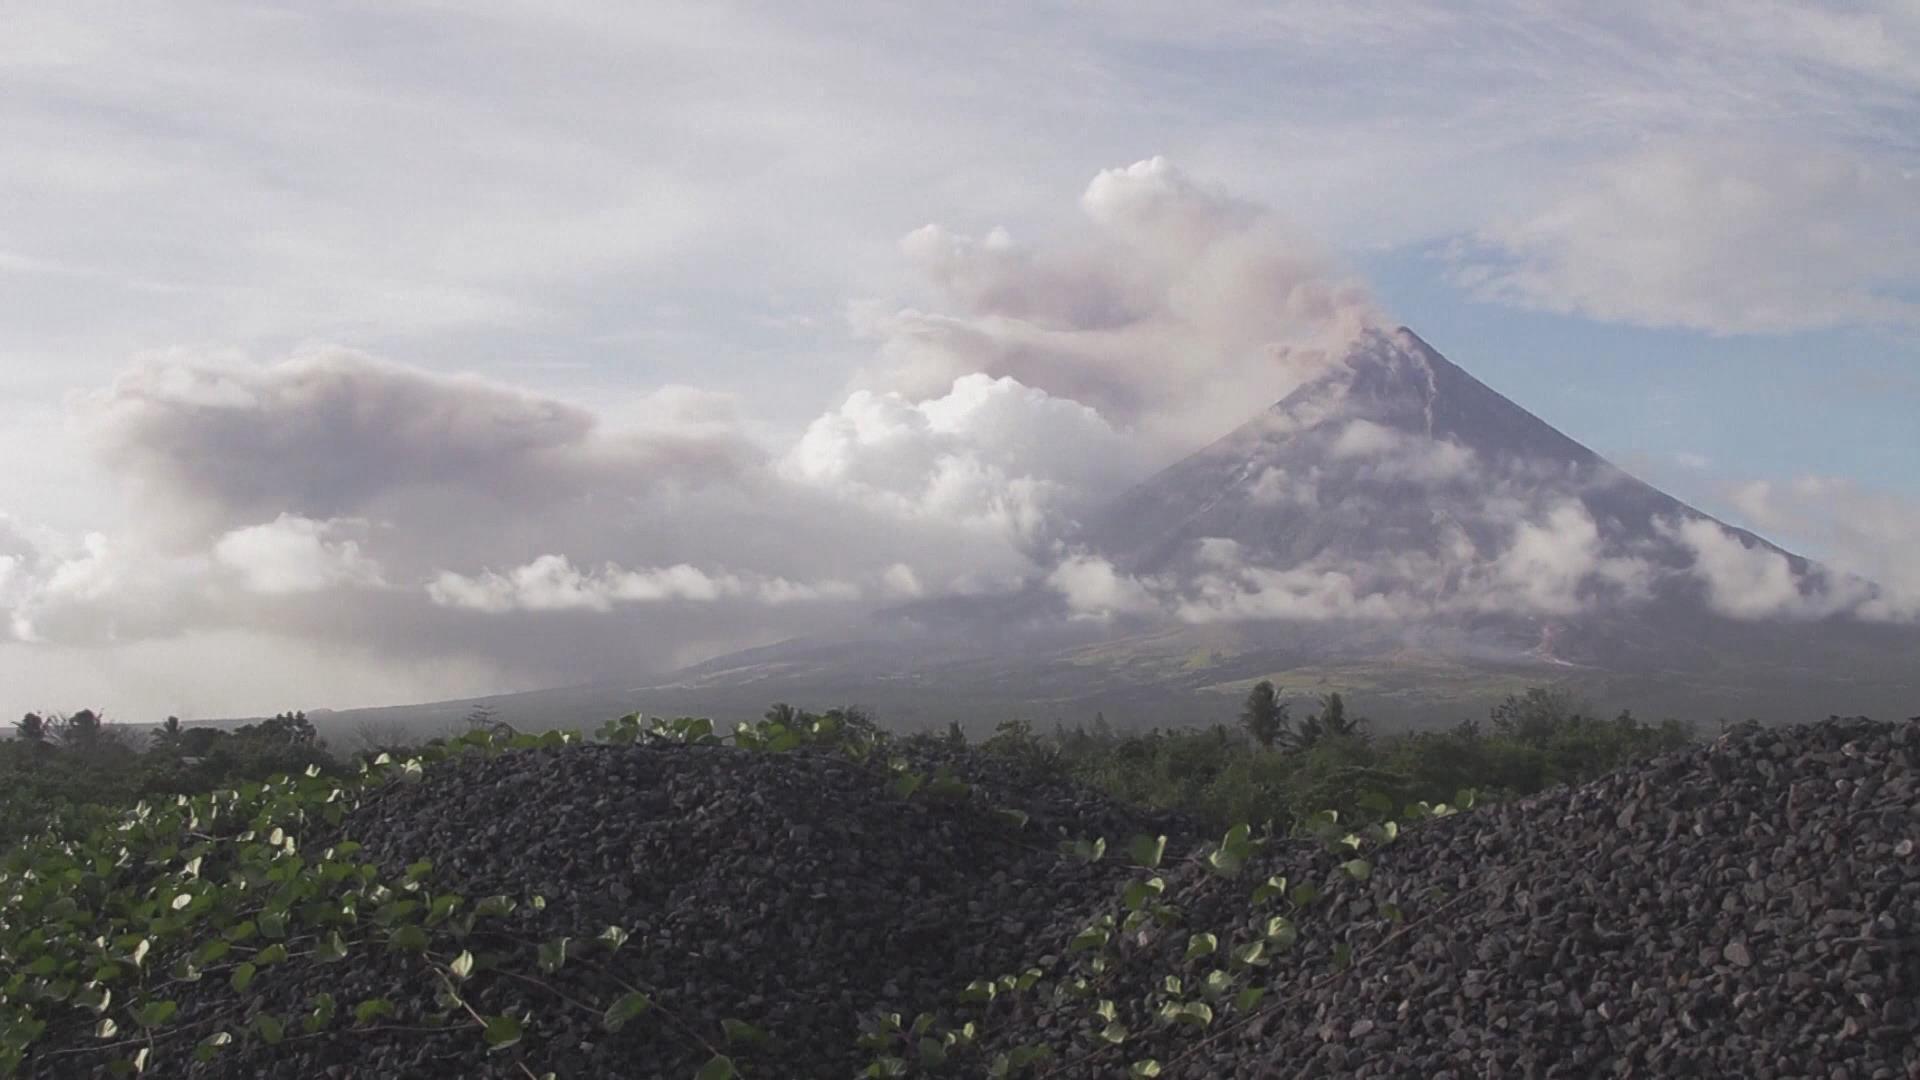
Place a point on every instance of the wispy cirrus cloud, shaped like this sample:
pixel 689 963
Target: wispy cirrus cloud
pixel 1720 238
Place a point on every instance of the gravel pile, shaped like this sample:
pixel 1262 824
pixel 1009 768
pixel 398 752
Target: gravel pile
pixel 798 892
pixel 1751 909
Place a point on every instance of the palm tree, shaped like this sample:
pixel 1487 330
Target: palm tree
pixel 786 715
pixel 31 728
pixel 1331 721
pixel 82 729
pixel 1265 716
pixel 166 738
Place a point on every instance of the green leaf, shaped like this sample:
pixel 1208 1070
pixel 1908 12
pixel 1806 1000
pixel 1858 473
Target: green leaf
pixel 1093 937
pixel 322 1014
pixel 1248 998
pixel 272 954
pixel 1148 850
pixel 1281 932
pixel 409 939
pixel 1196 1012
pixel 1216 983
pixel 1272 887
pixel 1139 892
pixel 270 1028
pixel 442 907
pixel 332 950
pixel 933 1053
pixel 1226 862
pixel 502 1031
pixel 372 1009
pixel 904 786
pixel 496 906
pixel 462 965
pixel 212 1045
pixel 1200 945
pixel 1114 1034
pixel 140 951
pixel 740 1032
pixel 553 955
pixel 1144 1069
pixel 155 1013
pixel 1358 869
pixel 242 977
pixel 718 1067
pixel 106 1028
pixel 626 1009
pixel 613 937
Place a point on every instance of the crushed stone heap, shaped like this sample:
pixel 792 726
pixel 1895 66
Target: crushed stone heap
pixel 1748 908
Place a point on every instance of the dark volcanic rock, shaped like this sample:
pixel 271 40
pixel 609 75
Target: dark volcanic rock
pixel 797 892
pixel 1750 908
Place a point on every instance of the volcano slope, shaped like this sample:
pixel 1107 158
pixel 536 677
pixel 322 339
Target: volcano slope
pixel 1747 908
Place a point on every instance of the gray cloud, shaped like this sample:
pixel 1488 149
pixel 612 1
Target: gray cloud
pixel 217 444
pixel 1172 307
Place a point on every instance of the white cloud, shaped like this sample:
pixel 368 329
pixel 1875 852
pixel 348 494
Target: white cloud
pixel 1747 581
pixel 553 583
pixel 990 454
pixel 1861 533
pixel 1302 594
pixel 1395 455
pixel 292 555
pixel 102 590
pixel 1555 565
pixel 1275 487
pixel 1727 238
pixel 1094 589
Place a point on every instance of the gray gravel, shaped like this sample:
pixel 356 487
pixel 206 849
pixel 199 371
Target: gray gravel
pixel 1751 909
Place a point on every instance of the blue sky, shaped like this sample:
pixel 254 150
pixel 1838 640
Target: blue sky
pixel 1688 235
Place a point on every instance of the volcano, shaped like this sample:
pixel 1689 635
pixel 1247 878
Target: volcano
pixel 1393 529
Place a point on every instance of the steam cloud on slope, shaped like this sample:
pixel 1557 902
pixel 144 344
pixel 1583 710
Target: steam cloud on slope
pixel 379 510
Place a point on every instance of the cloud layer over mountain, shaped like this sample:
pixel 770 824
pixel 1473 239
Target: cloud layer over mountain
pixel 396 519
